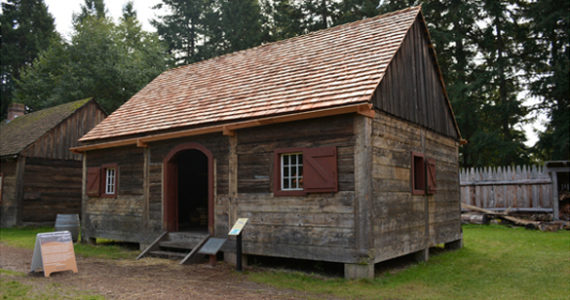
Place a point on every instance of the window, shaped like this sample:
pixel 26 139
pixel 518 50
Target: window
pixel 102 181
pixel 292 172
pixel 423 173
pixel 110 181
pixel 298 171
pixel 418 174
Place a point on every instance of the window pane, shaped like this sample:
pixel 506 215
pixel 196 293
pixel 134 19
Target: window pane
pixel 286 172
pixel 300 159
pixel 285 183
pixel 293 159
pixel 285 160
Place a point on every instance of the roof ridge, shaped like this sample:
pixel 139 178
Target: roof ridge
pixel 311 33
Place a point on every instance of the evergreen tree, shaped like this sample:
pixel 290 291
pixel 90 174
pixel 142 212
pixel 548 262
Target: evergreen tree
pixel 106 61
pixel 232 26
pixel 354 10
pixel 320 14
pixel 285 18
pixel 548 66
pixel 26 28
pixel 182 30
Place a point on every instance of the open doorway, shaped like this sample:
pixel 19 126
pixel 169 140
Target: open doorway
pixel 188 189
pixel 192 191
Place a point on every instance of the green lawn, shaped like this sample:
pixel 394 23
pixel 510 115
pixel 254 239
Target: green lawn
pixel 26 238
pixel 496 262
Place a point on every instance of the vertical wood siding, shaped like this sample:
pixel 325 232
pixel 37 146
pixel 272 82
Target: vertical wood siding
pixel 55 143
pixel 411 88
pixel 521 188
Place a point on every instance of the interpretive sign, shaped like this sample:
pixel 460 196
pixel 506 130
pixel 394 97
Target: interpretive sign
pixel 54 253
pixel 238 226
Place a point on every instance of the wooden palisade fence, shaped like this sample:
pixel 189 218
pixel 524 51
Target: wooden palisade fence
pixel 525 189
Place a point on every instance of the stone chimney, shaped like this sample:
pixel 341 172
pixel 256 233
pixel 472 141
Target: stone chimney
pixel 15 110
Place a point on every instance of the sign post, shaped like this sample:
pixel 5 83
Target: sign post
pixel 54 252
pixel 236 230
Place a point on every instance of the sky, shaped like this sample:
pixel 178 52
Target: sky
pixel 63 10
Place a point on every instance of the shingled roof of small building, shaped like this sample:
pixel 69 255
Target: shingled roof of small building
pixel 333 67
pixel 19 133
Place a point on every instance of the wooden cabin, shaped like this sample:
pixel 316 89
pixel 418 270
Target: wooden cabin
pixel 340 145
pixel 39 176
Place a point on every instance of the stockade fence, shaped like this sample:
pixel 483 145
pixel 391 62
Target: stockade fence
pixel 520 188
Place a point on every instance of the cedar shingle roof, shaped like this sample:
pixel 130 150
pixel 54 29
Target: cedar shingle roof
pixel 332 67
pixel 16 135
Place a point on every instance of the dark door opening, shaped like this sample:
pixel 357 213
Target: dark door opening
pixel 192 191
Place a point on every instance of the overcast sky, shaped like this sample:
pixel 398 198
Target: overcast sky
pixel 62 11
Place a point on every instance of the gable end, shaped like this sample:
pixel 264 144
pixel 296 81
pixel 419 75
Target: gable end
pixel 412 88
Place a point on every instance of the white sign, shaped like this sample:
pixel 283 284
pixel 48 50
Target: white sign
pixel 238 226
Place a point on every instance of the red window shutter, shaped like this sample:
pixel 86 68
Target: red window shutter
pixel 93 181
pixel 320 170
pixel 432 186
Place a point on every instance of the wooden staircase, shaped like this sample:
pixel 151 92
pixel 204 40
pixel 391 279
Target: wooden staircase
pixel 176 245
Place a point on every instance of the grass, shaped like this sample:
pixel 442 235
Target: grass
pixel 496 262
pixel 26 238
pixel 15 285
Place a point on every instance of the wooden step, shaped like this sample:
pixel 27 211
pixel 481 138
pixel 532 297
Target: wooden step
pixel 167 254
pixel 178 245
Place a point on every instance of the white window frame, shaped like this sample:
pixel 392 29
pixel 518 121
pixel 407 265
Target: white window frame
pixel 296 179
pixel 110 181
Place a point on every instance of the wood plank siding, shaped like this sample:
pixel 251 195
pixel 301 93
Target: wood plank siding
pixel 399 223
pixel 51 187
pixel 9 212
pixel 412 89
pixel 56 142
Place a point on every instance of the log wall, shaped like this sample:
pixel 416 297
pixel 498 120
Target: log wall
pixel 399 218
pixel 119 218
pixel 317 226
pixel 51 187
pixel 9 205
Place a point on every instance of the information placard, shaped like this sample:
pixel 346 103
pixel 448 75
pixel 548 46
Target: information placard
pixel 54 252
pixel 238 226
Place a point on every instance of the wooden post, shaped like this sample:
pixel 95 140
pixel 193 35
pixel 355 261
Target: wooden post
pixel 555 197
pixel 84 198
pixel 20 167
pixel 146 186
pixel 362 184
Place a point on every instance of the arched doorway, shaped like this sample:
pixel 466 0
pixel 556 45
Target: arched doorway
pixel 188 189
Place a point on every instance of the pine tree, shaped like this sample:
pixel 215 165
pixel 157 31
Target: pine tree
pixel 232 26
pixel 27 28
pixel 285 18
pixel 182 30
pixel 548 64
pixel 320 14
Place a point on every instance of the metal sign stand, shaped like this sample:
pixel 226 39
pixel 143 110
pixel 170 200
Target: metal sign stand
pixel 236 230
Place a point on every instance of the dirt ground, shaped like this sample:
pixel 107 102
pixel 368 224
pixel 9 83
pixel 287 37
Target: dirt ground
pixel 148 278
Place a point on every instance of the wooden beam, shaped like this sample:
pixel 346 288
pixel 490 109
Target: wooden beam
pixel 227 129
pixel 366 110
pixel 141 144
pixel 228 132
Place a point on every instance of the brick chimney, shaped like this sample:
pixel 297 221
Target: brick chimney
pixel 15 110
